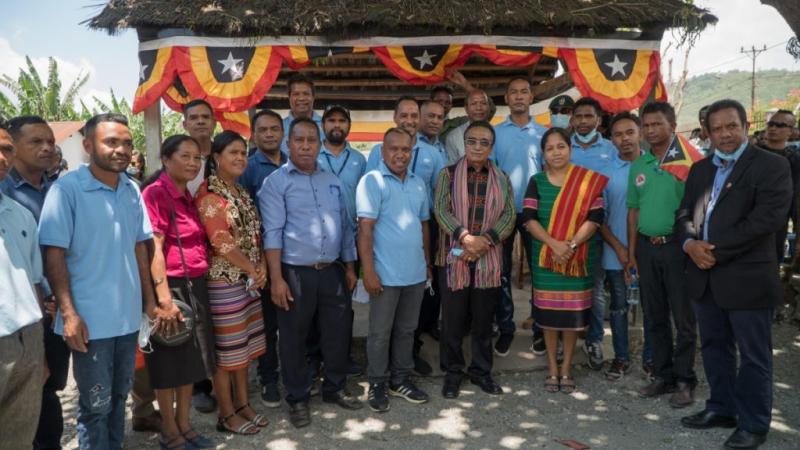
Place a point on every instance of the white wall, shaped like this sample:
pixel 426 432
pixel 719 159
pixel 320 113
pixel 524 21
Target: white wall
pixel 72 149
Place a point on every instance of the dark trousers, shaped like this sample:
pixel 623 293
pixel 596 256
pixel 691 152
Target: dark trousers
pixel 51 419
pixel 268 362
pixel 431 303
pixel 322 293
pixel 746 393
pixel 663 286
pixel 504 313
pixel 468 308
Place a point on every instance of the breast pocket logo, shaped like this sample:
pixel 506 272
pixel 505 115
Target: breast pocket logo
pixel 334 190
pixel 640 179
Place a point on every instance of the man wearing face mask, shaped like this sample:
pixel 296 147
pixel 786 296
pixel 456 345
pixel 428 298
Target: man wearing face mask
pixel 561 109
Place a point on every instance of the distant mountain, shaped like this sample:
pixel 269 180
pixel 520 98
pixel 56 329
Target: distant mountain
pixel 705 89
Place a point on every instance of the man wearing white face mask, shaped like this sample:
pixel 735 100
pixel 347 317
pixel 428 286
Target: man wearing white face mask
pixel 561 108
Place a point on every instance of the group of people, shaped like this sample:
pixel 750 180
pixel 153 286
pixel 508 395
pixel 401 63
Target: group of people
pixel 258 251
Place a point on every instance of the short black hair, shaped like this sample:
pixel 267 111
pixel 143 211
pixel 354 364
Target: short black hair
pixel 303 120
pixel 218 145
pixel 441 88
pixel 728 103
pixel 518 77
pixel 555 130
pixel 262 113
pixel 404 98
pixel 399 131
pixel 481 124
pixel 660 107
pixel 297 78
pixel 91 124
pixel 16 123
pixel 429 102
pixel 588 101
pixel 624 115
pixel 196 102
pixel 703 113
pixel 783 111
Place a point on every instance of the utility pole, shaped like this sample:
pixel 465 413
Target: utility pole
pixel 753 54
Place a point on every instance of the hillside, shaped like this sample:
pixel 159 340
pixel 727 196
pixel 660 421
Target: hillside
pixel 705 89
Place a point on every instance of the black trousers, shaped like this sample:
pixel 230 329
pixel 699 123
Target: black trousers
pixel 268 362
pixel 431 304
pixel 746 392
pixel 472 309
pixel 664 297
pixel 320 293
pixel 51 419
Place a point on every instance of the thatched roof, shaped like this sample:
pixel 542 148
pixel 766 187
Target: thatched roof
pixel 338 19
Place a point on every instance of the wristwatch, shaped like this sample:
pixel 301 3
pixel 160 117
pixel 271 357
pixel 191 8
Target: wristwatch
pixel 573 245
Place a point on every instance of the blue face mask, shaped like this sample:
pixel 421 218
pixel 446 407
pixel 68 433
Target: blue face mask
pixel 585 139
pixel 559 120
pixel 730 156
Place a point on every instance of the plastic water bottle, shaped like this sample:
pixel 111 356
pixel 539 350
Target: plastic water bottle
pixel 633 288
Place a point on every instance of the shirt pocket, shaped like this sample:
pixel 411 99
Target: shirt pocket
pixel 333 197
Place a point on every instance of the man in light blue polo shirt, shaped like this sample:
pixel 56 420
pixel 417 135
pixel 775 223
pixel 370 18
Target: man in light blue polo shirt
pixel 592 151
pixel 517 152
pixel 21 333
pixel 626 135
pixel 426 161
pixel 301 105
pixel 95 231
pixel 393 212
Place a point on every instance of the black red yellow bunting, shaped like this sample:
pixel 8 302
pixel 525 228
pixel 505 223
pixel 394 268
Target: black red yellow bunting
pixel 228 78
pixel 176 97
pixel 156 72
pixel 619 79
pixel 422 64
pixel 508 55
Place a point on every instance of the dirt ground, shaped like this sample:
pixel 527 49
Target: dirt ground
pixel 601 414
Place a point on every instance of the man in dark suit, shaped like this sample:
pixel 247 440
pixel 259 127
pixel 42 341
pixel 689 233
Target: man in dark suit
pixel 734 203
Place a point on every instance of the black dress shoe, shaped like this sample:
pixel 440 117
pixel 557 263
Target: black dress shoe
pixel 421 366
pixel 451 388
pixel 487 385
pixel 742 439
pixel 299 414
pixel 708 419
pixel 342 399
pixel 204 402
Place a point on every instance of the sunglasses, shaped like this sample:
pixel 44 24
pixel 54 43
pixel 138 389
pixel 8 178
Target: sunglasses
pixel 564 110
pixel 772 123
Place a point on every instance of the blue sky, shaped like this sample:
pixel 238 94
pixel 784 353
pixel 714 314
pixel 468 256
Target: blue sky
pixel 41 28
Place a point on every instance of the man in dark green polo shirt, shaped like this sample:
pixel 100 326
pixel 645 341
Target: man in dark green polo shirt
pixel 653 196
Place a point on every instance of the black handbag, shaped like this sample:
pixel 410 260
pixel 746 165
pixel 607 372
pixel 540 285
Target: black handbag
pixel 183 298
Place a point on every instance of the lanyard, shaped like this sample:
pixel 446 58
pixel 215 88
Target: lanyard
pixel 414 163
pixel 344 164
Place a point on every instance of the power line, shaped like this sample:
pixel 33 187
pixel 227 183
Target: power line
pixel 739 57
pixel 753 54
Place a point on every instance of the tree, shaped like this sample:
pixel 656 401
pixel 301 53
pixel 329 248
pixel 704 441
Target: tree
pixel 33 97
pixel 790 11
pixel 170 121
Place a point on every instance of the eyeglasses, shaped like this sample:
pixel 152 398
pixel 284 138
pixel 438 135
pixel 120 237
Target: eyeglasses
pixel 472 142
pixel 563 110
pixel 772 123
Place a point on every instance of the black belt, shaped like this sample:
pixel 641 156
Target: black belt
pixel 315 266
pixel 658 240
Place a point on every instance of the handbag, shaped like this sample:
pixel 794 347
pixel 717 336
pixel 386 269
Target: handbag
pixel 185 301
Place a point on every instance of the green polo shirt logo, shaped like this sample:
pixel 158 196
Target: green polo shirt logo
pixel 656 194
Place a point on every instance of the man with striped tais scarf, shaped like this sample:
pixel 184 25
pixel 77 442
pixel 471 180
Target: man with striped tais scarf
pixel 474 206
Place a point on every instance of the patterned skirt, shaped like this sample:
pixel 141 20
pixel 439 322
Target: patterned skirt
pixel 238 324
pixel 560 302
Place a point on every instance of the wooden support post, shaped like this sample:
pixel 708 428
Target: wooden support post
pixel 152 136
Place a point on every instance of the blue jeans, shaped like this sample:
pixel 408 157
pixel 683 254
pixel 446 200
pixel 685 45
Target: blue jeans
pixel 597 317
pixel 104 375
pixel 618 315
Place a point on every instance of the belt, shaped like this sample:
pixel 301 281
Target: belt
pixel 320 265
pixel 658 240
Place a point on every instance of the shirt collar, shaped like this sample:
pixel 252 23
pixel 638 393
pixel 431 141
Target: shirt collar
pixel 261 158
pixel 508 122
pixel 388 173
pixel 290 167
pixel 89 183
pixel 5 204
pixel 19 180
pixel 169 185
pixel 423 138
pixel 346 149
pixel 600 141
pixel 314 116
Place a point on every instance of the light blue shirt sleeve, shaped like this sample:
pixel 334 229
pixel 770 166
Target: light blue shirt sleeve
pixel 57 222
pixel 374 159
pixel 35 254
pixel 271 202
pixel 425 208
pixel 368 197
pixel 348 251
pixel 145 232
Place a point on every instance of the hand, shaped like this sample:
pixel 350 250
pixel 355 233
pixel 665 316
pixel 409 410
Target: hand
pixel 259 274
pixel 631 264
pixel 76 334
pixel 350 278
pixel 475 244
pixel 281 294
pixel 700 252
pixel 50 308
pixel 372 283
pixel 457 78
pixel 166 317
pixel 469 256
pixel 562 251
pixel 622 255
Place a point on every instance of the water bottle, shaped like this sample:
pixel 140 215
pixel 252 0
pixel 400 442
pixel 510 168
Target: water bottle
pixel 633 288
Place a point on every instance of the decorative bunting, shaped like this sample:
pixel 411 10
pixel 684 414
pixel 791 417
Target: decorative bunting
pixel 299 56
pixel 228 78
pixel 619 79
pixel 156 73
pixel 422 64
pixel 508 55
pixel 679 158
pixel 176 97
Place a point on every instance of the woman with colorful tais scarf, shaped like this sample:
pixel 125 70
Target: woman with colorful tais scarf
pixel 562 209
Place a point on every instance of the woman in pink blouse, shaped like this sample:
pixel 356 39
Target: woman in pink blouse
pixel 173 214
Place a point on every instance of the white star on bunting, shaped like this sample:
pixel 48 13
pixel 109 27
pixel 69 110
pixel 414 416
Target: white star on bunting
pixel 231 65
pixel 141 71
pixel 617 66
pixel 425 59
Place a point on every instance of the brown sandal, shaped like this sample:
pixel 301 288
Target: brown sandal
pixel 567 384
pixel 551 384
pixel 246 429
pixel 257 420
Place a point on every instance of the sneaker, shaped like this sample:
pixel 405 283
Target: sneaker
pixel 619 367
pixel 408 391
pixel 595 353
pixel 270 397
pixel 377 398
pixel 538 348
pixel 503 344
